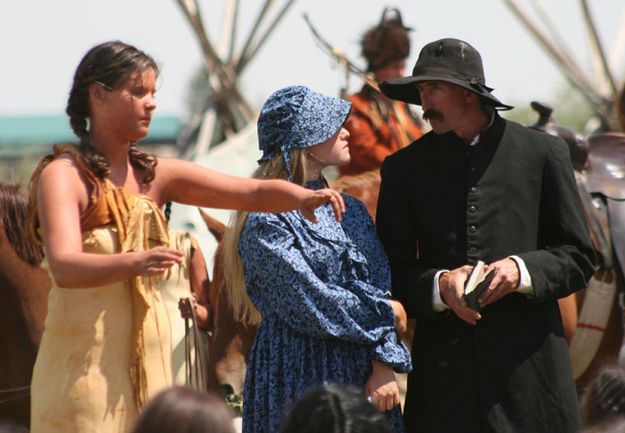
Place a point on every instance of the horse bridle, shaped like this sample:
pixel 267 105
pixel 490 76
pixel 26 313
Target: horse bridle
pixel 12 394
pixel 194 365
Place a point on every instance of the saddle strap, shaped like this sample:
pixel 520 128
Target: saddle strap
pixel 12 394
pixel 616 214
pixel 593 320
pixel 594 216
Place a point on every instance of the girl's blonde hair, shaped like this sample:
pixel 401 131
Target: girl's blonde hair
pixel 243 309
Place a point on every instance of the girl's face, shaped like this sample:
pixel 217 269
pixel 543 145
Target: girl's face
pixel 127 111
pixel 333 151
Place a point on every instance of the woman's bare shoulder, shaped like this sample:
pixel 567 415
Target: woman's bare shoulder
pixel 63 178
pixel 63 165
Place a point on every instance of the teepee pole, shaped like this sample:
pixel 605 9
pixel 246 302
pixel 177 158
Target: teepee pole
pixel 252 35
pixel 616 55
pixel 557 39
pixel 597 48
pixel 570 72
pixel 246 57
pixel 229 30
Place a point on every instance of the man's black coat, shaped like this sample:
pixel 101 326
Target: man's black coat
pixel 444 204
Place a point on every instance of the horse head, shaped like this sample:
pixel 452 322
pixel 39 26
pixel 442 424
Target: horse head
pixel 232 340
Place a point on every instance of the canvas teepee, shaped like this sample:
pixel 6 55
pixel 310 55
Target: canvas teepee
pixel 222 134
pixel 602 86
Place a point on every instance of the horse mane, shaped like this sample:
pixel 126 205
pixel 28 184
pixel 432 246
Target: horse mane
pixel 13 214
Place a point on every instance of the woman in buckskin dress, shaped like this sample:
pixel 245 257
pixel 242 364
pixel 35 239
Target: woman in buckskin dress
pixel 96 208
pixel 322 289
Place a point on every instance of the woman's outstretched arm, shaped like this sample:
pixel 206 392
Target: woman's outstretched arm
pixel 188 183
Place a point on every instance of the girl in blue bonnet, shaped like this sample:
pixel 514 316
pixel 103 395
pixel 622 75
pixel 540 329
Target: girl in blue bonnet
pixel 322 289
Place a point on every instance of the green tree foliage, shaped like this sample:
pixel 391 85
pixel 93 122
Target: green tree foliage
pixel 18 169
pixel 197 90
pixel 570 109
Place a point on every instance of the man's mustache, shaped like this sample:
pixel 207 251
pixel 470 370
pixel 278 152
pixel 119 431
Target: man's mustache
pixel 433 115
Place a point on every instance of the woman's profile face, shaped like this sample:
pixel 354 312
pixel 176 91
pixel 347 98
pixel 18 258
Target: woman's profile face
pixel 128 109
pixel 335 150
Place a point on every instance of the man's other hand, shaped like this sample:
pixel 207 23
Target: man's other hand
pixel 451 287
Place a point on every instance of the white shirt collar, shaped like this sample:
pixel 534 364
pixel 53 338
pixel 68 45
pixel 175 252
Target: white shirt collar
pixel 476 139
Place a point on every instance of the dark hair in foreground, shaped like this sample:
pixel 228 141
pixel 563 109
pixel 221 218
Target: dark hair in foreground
pixel 110 65
pixel 10 427
pixel 184 410
pixel 604 399
pixel 335 409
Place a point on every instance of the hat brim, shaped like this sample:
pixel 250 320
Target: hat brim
pixel 330 115
pixel 404 89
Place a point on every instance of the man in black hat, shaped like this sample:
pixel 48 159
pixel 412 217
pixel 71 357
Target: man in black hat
pixel 479 187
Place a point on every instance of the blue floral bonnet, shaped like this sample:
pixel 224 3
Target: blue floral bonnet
pixel 296 117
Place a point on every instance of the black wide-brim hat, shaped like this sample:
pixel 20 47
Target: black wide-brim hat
pixel 449 60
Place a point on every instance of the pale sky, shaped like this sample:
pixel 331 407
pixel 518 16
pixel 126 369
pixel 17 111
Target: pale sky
pixel 42 41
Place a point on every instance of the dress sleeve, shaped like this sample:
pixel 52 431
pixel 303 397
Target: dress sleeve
pixel 280 281
pixel 565 262
pixel 360 228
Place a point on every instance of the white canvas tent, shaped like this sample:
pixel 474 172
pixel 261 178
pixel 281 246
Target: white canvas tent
pixel 222 134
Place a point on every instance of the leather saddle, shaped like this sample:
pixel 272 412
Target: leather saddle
pixel 606 171
pixel 599 163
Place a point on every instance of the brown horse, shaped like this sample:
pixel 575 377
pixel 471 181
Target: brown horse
pixel 231 340
pixel 24 288
pixel 365 187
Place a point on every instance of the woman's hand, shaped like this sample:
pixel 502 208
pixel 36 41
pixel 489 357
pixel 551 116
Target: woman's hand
pixel 381 387
pixel 189 305
pixel 157 260
pixel 315 198
pixel 401 318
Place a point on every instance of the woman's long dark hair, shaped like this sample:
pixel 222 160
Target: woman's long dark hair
pixel 335 409
pixel 109 64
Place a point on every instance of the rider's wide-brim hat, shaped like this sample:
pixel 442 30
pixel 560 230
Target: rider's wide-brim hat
pixel 449 60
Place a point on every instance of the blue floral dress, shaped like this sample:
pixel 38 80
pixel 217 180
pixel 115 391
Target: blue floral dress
pixel 322 290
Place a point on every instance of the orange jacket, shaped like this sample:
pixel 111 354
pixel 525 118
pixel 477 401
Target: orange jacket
pixel 378 126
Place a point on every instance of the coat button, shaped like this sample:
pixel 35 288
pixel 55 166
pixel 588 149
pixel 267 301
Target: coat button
pixel 473 189
pixel 472 209
pixel 473 229
pixel 472 250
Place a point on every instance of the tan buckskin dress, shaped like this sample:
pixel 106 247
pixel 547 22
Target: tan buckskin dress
pixel 105 350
